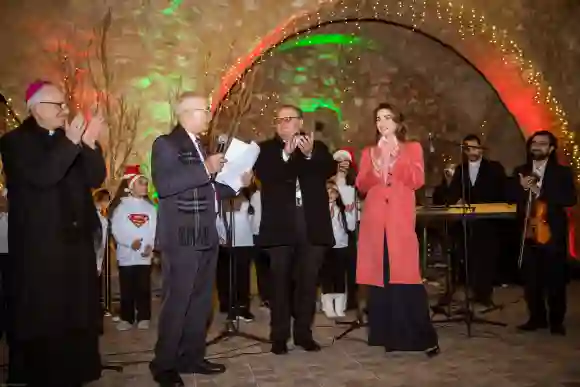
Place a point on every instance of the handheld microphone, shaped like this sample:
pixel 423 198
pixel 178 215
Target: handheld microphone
pixel 222 141
pixel 431 146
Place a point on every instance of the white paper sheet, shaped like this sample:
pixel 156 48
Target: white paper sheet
pixel 241 158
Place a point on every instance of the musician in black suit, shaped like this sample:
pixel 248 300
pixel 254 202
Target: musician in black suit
pixel 484 181
pixel 545 266
pixel 295 228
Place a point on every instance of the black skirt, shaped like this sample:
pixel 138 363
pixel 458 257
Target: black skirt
pixel 399 315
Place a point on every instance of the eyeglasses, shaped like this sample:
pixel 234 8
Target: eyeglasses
pixel 284 119
pixel 61 105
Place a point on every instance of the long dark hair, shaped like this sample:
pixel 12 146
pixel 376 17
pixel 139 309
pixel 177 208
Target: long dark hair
pixel 552 157
pixel 340 205
pixel 398 117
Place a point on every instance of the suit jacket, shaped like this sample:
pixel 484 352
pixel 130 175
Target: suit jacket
pixel 278 194
pixel 558 191
pixel 489 187
pixel 187 213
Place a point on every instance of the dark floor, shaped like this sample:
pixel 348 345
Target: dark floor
pixel 494 356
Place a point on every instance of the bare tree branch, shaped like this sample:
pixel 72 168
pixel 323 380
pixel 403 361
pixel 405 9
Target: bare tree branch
pixel 122 119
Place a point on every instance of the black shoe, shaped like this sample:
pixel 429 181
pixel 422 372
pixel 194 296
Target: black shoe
pixel 308 345
pixel 246 316
pixel 279 348
pixel 531 326
pixel 204 368
pixel 167 378
pixel 558 330
pixel 432 352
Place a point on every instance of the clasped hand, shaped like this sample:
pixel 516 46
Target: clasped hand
pixel 304 143
pixel 79 130
pixel 529 183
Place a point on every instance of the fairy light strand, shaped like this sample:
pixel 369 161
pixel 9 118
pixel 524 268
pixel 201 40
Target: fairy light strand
pixel 469 25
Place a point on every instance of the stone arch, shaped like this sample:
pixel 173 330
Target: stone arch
pixel 485 47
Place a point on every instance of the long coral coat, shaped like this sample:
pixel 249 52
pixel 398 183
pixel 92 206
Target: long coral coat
pixel 390 208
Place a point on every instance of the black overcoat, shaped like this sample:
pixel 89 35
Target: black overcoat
pixel 52 226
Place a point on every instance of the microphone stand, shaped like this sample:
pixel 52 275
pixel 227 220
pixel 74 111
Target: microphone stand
pixel 107 293
pixel 359 322
pixel 467 316
pixel 232 328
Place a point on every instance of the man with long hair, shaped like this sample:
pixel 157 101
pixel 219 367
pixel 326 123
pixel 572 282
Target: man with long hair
pixel 544 266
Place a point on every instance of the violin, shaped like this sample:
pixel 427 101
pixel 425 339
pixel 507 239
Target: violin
pixel 536 227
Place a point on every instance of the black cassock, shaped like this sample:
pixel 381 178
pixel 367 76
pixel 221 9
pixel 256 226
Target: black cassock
pixel 54 314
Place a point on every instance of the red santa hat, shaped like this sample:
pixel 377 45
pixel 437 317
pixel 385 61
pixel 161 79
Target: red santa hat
pixel 345 154
pixel 132 174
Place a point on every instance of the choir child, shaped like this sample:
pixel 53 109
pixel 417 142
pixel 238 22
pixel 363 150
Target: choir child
pixel 341 199
pixel 133 224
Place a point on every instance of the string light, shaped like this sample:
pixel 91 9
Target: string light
pixel 469 26
pixel 10 122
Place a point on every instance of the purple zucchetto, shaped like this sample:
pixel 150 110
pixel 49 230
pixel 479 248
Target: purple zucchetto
pixel 33 88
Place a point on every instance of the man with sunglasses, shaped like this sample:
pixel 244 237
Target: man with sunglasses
pixel 484 181
pixel 295 227
pixel 51 166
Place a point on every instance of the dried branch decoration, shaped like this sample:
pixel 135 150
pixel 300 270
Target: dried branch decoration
pixel 121 117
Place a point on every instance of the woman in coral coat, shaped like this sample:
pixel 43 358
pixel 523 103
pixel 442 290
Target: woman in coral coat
pixel 388 249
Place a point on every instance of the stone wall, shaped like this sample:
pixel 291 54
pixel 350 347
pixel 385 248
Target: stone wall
pixel 157 46
pixel 339 82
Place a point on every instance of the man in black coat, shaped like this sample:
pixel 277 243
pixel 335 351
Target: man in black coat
pixel 295 227
pixel 484 181
pixel 53 301
pixel 545 265
pixel 188 240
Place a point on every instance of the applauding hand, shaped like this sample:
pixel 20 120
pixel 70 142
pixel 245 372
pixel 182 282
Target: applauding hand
pixel 306 144
pixel 290 146
pixel 94 129
pixel 75 129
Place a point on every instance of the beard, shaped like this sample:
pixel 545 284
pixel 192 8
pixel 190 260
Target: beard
pixel 538 155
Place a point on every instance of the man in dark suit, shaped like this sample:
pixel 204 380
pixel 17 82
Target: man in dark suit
pixel 295 227
pixel 479 180
pixel 545 265
pixel 188 241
